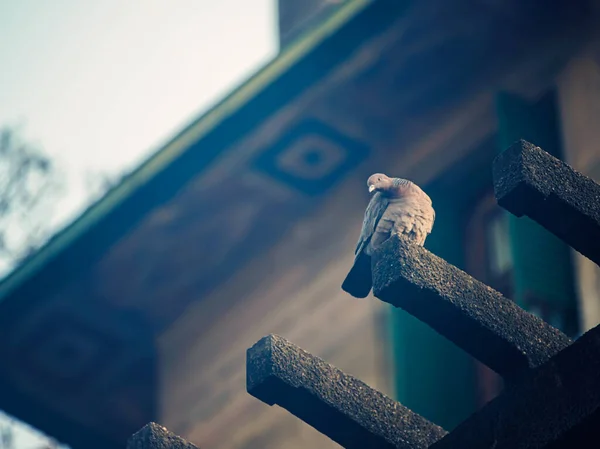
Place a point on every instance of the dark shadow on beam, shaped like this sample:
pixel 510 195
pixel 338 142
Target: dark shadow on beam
pixel 557 405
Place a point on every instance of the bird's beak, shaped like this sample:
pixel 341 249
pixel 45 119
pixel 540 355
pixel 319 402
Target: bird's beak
pixel 371 188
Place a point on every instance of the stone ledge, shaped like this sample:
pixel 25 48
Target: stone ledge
pixel 475 317
pixel 529 181
pixel 336 404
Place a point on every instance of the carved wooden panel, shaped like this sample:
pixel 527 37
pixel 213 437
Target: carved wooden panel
pixel 85 356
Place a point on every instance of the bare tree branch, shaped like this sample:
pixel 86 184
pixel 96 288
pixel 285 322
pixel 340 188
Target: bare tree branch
pixel 29 186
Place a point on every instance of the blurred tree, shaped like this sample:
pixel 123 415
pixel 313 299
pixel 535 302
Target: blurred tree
pixel 16 435
pixel 6 433
pixel 29 184
pixel 29 188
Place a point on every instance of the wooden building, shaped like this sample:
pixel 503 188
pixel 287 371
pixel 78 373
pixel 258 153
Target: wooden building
pixel 245 225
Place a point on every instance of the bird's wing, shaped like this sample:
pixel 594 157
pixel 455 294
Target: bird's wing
pixel 373 214
pixel 359 280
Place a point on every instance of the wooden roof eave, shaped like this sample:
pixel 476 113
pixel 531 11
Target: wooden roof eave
pixel 158 179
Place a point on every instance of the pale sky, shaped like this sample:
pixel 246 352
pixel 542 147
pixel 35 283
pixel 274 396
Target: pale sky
pixel 101 84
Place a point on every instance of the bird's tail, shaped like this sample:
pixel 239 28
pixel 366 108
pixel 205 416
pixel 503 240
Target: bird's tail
pixel 359 280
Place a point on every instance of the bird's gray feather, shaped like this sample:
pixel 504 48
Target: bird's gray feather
pixel 375 210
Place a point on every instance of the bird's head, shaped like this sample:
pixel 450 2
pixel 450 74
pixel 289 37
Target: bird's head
pixel 379 183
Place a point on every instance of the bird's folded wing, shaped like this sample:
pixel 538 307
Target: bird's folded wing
pixel 375 210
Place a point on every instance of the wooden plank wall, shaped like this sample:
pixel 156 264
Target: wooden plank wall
pixel 295 292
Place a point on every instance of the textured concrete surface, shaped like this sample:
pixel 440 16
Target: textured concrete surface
pixel 338 405
pixel 528 181
pixel 474 316
pixel 552 397
pixel 557 405
pixel 155 436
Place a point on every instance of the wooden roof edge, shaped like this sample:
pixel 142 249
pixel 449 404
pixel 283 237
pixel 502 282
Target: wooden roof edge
pixel 178 145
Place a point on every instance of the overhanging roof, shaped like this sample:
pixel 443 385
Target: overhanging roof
pixel 163 174
pixel 71 253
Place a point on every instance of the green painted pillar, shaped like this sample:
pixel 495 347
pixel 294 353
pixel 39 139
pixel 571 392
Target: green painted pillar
pixel 543 276
pixel 433 376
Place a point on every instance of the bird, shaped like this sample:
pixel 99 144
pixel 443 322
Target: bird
pixel 398 206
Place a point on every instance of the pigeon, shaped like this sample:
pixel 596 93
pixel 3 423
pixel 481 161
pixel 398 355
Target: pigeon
pixel 398 206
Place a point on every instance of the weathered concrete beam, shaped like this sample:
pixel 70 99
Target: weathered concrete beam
pixel 155 436
pixel 336 404
pixel 528 181
pixel 475 317
pixel 557 405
